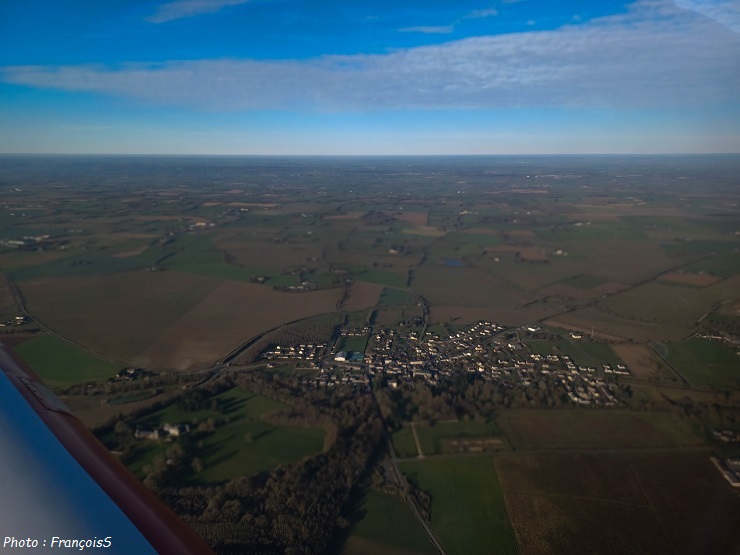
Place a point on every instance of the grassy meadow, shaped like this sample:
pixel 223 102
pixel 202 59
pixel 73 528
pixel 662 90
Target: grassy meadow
pixel 388 520
pixel 244 445
pixel 468 511
pixel 706 362
pixel 60 364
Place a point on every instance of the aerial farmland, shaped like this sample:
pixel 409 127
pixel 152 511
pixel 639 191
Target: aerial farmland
pixel 471 333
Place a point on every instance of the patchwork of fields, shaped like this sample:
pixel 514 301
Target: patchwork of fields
pixel 607 261
pixel 626 270
pixel 449 437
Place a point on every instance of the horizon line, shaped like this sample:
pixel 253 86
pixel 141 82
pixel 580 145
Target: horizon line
pixel 369 155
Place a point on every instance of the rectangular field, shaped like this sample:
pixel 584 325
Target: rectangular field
pixel 120 314
pixel 352 343
pixel 233 313
pixel 388 521
pixel 583 352
pixel 60 364
pixel 610 326
pixel 468 511
pixel 592 429
pixel 665 303
pixel 619 503
pixel 362 295
pixel 403 442
pixel 643 363
pixel 705 362
pixel 442 285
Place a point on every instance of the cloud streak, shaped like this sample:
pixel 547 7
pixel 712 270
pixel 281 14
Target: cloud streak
pixel 476 14
pixel 656 55
pixel 181 9
pixel 429 29
pixel 726 12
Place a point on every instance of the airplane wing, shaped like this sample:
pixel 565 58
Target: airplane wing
pixel 59 485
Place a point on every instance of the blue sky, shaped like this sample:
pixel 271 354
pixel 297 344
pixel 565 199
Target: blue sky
pixel 369 77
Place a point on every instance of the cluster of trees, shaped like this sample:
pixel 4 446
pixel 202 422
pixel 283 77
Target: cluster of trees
pixel 117 434
pixel 467 396
pixel 148 382
pixel 721 413
pixel 294 508
pixel 203 398
pixel 374 217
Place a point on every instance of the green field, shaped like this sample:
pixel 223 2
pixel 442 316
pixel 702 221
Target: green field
pixel 725 265
pixel 382 277
pixel 395 297
pixel 583 352
pixel 584 281
pixel 468 510
pixel 596 429
pixel 478 239
pixel 669 304
pixel 92 264
pixel 589 353
pixel 198 256
pixel 698 248
pixel 403 442
pixel 704 362
pixel 60 364
pixel 353 343
pixel 243 446
pixel 543 348
pixel 387 519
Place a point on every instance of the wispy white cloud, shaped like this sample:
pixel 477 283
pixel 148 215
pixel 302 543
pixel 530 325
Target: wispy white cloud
pixel 490 12
pixel 429 29
pixel 726 12
pixel 655 55
pixel 180 9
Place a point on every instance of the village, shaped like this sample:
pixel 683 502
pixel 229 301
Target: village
pixel 400 358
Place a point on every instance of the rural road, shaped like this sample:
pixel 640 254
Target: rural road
pixel 401 479
pixel 403 484
pixel 416 440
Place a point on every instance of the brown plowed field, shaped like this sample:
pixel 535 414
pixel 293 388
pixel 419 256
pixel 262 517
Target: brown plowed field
pixel 610 327
pixel 642 362
pixel 698 280
pixel 674 501
pixel 609 288
pixel 118 314
pixel 418 219
pixel 230 315
pixel 462 314
pixel 362 295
